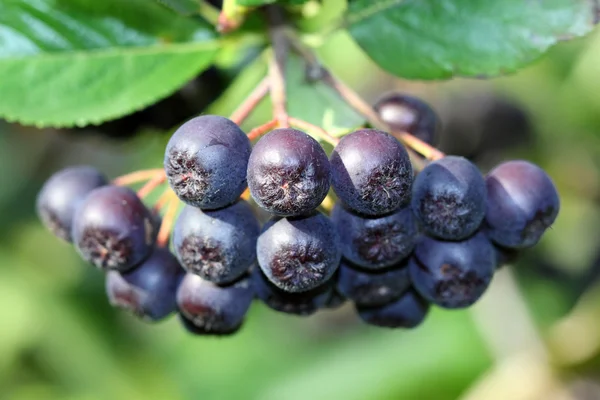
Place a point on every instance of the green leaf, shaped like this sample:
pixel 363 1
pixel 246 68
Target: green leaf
pixel 432 39
pixel 256 3
pixel 75 62
pixel 182 6
pixel 316 102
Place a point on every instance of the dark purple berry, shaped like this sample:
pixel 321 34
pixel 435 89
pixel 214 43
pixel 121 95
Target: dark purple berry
pixel 62 194
pixel 206 161
pixel 375 242
pixel 218 245
pixel 522 203
pixel 404 113
pixel 113 229
pixel 149 290
pixel 214 309
pixel 288 173
pixel 449 198
pixel 371 172
pixel 408 311
pixel 194 329
pixel 299 254
pixel 372 288
pixel 304 303
pixel 452 274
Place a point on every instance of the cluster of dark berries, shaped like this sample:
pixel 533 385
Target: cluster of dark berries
pixel 394 243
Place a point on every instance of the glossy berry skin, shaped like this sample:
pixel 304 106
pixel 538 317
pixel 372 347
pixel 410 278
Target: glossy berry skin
pixel 522 203
pixel 62 194
pixel 370 288
pixel 147 291
pixel 404 113
pixel 288 173
pixel 371 172
pixel 113 229
pixel 375 242
pixel 214 309
pixel 303 304
pixel 449 198
pixel 299 254
pixel 194 329
pixel 206 161
pixel 452 274
pixel 218 245
pixel 408 311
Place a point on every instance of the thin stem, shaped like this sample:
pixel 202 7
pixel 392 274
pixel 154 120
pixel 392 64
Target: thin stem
pixel 166 226
pixel 280 45
pixel 262 129
pixel 417 161
pixel 320 132
pixel 152 184
pixel 363 108
pixel 163 200
pixel 428 151
pixel 250 103
pixel 245 195
pixel 231 17
pixel 209 12
pixel 137 176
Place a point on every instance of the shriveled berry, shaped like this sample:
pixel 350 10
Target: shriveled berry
pixel 149 290
pixel 372 288
pixel 375 242
pixel 214 309
pixel 522 203
pixel 62 194
pixel 300 253
pixel 206 161
pixel 218 245
pixel 449 198
pixel 288 173
pixel 371 172
pixel 113 229
pixel 408 311
pixel 453 274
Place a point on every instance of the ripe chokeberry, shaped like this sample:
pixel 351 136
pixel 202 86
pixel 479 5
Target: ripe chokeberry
pixel 303 303
pixel 113 229
pixel 299 253
pixel 214 309
pixel 452 274
pixel 449 198
pixel 404 113
pixel 62 194
pixel 522 203
pixel 408 311
pixel 288 173
pixel 375 242
pixel 148 291
pixel 206 160
pixel 371 172
pixel 372 288
pixel 218 245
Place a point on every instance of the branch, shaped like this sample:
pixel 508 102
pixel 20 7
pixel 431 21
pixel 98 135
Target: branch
pixel 316 130
pixel 250 103
pixel 280 45
pixel 137 176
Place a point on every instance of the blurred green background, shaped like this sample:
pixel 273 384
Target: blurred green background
pixel 535 334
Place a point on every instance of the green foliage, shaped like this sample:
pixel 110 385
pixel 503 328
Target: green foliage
pixel 77 62
pixel 182 6
pixel 434 39
pixel 255 3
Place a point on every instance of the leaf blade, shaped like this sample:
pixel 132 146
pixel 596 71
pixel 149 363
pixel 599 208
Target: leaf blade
pixel 437 39
pixel 81 62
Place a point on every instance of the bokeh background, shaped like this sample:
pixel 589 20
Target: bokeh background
pixel 534 335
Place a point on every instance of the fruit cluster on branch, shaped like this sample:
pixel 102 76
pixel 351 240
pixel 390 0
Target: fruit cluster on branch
pixel 396 240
